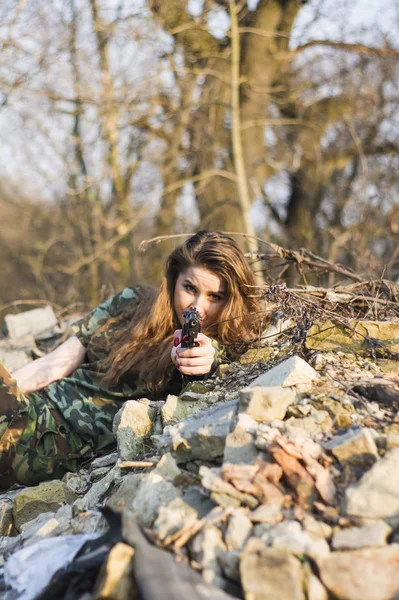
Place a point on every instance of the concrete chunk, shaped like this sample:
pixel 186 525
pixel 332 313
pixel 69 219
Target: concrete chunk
pixel 31 322
pixel 355 447
pixel 266 403
pixel 293 371
pixel 370 574
pixel 132 426
pixel 270 573
pixel 46 497
pixel 354 538
pixel 175 409
pixel 376 495
pixel 201 435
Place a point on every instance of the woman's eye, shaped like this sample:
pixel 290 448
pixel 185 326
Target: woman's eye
pixel 189 288
pixel 215 298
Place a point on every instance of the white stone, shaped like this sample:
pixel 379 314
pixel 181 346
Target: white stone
pixel 293 371
pixel 238 530
pixel 167 468
pixel 289 535
pixel 376 495
pixel 356 447
pixel 176 409
pixel 240 443
pixel 270 573
pixel 265 404
pixel 353 538
pixel 132 427
pixel 200 436
pixel 370 574
pixel 31 322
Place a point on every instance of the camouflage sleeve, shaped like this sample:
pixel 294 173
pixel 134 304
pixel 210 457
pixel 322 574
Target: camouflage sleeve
pixel 85 327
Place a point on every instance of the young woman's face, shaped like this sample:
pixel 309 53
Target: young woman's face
pixel 201 289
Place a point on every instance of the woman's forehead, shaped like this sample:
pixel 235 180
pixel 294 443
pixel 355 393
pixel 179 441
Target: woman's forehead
pixel 204 278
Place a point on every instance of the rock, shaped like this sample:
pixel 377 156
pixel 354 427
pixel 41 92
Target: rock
pixel 132 427
pixel 196 497
pixel 370 574
pixel 46 497
pixel 167 468
pixel 290 536
pixel 270 513
pixel 31 322
pixel 240 443
pixel 328 336
pixel 100 473
pixel 315 590
pixel 104 461
pixel 6 520
pixel 120 498
pixel 77 483
pixel 316 424
pixel 99 489
pixel 316 528
pixel 376 495
pixel 173 518
pixel 14 358
pixel 211 480
pixel 355 447
pixel 270 573
pixel 257 355
pixel 115 579
pixel 87 522
pixel 238 530
pixel 143 496
pixel 265 404
pixel 206 548
pixel 176 409
pixel 292 372
pixel 202 435
pixel 230 563
pixel 373 534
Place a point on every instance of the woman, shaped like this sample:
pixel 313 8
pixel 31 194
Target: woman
pixel 59 408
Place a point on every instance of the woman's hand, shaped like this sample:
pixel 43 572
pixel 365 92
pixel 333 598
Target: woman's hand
pixel 193 361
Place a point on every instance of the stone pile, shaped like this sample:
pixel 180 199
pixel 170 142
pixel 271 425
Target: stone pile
pixel 275 480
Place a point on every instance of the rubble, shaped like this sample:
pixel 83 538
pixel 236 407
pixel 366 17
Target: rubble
pixel 46 497
pixel 291 372
pixel 355 447
pixel 265 404
pixel 278 479
pixel 353 538
pixel 30 323
pixel 370 574
pixel 268 573
pixel 376 495
pixel 201 435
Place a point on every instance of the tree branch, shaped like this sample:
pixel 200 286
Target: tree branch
pixel 386 52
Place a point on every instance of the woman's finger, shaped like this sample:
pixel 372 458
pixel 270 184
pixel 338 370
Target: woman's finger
pixel 203 339
pixel 195 370
pixel 177 337
pixel 196 351
pixel 194 362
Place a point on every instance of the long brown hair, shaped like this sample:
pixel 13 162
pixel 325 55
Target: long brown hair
pixel 143 348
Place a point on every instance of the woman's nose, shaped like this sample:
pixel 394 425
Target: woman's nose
pixel 200 305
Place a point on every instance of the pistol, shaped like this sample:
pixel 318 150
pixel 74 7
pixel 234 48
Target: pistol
pixel 191 328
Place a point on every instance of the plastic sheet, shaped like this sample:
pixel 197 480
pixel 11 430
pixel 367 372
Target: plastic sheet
pixel 28 571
